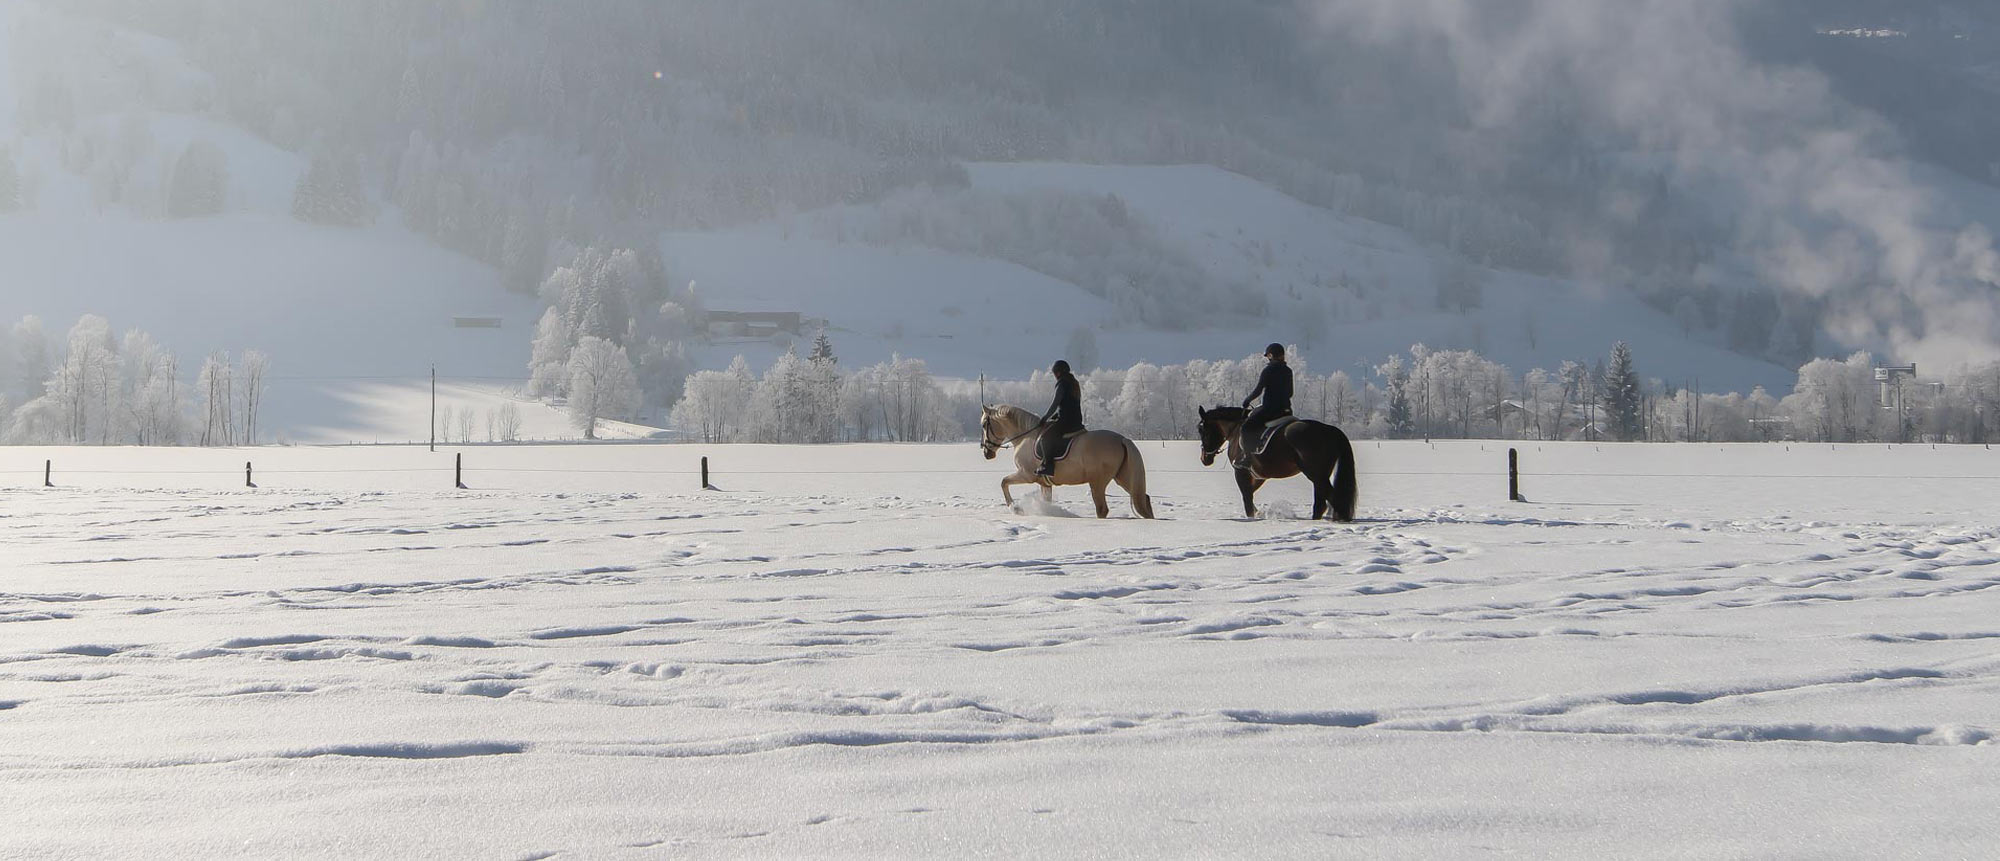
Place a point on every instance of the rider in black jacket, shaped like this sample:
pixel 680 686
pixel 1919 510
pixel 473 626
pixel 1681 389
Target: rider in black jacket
pixel 1275 385
pixel 1065 415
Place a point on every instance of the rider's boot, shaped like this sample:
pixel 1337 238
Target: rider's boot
pixel 1048 467
pixel 1246 442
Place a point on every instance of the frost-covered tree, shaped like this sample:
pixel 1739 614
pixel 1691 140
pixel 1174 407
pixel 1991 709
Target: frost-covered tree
pixel 620 296
pixel 1343 402
pixel 216 385
pixel 715 402
pixel 1622 395
pixel 37 422
pixel 199 183
pixel 602 384
pixel 1141 408
pixel 150 391
pixel 84 383
pixel 663 367
pixel 1836 400
pixel 331 191
pixel 548 360
pixel 796 401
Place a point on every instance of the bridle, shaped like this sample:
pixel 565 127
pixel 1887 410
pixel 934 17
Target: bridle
pixel 986 442
pixel 1222 439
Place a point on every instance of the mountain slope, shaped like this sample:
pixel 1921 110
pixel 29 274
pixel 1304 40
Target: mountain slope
pixel 1348 291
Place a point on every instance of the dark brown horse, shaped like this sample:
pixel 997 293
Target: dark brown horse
pixel 1318 451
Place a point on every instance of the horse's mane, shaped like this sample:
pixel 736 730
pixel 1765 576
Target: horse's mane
pixel 1229 414
pixel 1018 414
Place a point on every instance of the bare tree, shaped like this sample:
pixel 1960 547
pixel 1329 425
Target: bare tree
pixel 508 422
pixel 216 383
pixel 256 367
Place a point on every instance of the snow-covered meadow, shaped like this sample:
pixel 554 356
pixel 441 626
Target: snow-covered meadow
pixel 856 650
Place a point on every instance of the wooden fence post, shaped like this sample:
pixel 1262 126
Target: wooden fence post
pixel 704 475
pixel 48 473
pixel 248 478
pixel 458 471
pixel 1514 476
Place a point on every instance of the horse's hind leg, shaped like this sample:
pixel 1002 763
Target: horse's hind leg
pixel 1097 496
pixel 1322 497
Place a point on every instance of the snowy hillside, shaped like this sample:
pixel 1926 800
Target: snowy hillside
pixel 346 314
pixel 1348 291
pixel 1674 651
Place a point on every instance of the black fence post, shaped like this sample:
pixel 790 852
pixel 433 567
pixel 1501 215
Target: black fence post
pixel 248 478
pixel 704 475
pixel 48 473
pixel 458 471
pixel 1514 476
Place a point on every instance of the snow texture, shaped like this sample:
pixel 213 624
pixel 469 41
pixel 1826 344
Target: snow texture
pixel 860 651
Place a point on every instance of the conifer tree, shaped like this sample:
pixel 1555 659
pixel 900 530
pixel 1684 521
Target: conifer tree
pixel 1621 395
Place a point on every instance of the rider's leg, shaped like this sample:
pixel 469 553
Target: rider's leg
pixel 1052 442
pixel 1253 428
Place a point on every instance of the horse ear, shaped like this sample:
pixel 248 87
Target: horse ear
pixel 1203 411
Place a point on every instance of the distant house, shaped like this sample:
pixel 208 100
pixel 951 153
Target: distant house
pixel 1503 410
pixel 754 324
pixel 477 322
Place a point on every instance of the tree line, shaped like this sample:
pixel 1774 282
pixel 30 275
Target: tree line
pixel 95 388
pixel 1425 393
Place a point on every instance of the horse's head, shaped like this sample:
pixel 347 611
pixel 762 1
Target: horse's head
pixel 1216 425
pixel 989 438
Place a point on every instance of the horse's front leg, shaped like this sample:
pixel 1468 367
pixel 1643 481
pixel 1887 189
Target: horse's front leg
pixel 1248 484
pixel 1006 488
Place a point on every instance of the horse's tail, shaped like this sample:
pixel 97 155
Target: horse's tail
pixel 1346 487
pixel 1132 477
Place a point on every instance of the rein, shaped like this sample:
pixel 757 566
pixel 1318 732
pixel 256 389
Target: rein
pixel 988 442
pixel 1224 443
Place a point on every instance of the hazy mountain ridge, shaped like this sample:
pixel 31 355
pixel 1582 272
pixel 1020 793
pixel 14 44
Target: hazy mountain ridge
pixel 519 134
pixel 507 131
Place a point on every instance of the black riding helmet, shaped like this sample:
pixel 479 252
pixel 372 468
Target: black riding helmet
pixel 1061 368
pixel 1275 351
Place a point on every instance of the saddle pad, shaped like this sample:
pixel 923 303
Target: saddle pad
pixel 1271 431
pixel 1063 444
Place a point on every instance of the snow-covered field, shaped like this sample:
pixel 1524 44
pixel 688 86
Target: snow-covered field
pixel 859 651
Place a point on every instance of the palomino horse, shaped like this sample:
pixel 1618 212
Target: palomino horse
pixel 1096 458
pixel 1320 451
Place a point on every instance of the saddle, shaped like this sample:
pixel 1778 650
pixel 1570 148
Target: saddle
pixel 1271 432
pixel 1061 443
